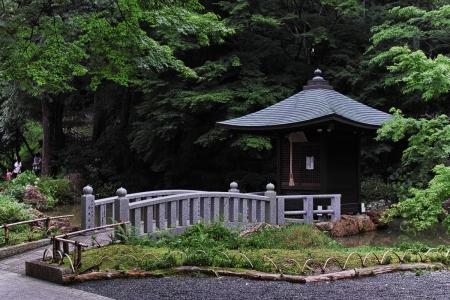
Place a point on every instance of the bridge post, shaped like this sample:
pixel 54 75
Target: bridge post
pixel 271 207
pixel 231 213
pixel 308 207
pixel 336 207
pixel 87 208
pixel 121 206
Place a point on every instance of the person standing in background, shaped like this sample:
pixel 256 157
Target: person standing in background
pixel 17 167
pixel 8 174
pixel 37 164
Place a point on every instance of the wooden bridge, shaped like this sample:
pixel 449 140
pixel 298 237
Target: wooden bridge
pixel 153 211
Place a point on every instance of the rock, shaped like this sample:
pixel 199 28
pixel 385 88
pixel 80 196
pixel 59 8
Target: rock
pixel 375 216
pixel 255 227
pixel 446 205
pixel 351 225
pixel 324 226
pixel 33 197
pixel 77 181
pixel 378 205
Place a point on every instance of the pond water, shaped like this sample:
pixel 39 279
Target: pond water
pixel 396 234
pixel 62 210
pixel 390 237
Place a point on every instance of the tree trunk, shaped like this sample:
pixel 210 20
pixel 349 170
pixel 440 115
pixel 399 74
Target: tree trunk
pixel 53 139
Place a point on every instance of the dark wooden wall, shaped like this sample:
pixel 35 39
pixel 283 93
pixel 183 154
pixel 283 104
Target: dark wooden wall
pixel 343 169
pixel 337 163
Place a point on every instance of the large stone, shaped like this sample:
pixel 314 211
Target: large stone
pixel 375 216
pixel 324 226
pixel 351 225
pixel 34 197
pixel 77 181
pixel 378 205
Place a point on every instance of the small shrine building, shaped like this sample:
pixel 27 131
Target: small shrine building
pixel 318 134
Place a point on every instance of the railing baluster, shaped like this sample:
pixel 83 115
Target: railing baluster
pixel 252 211
pixel 172 214
pixel 184 212
pixel 205 209
pixel 194 210
pixel 215 208
pixel 160 216
pixel 102 215
pixel 148 219
pixel 243 210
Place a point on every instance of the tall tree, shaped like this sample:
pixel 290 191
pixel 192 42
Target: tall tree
pixel 417 57
pixel 45 44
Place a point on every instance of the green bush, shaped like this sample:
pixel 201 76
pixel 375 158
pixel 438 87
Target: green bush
pixel 61 190
pixel 297 236
pixel 202 236
pixel 374 188
pixel 12 211
pixel 24 179
pixel 15 191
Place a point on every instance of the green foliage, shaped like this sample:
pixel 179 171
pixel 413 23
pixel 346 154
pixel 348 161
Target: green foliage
pixel 15 191
pixel 25 178
pixel 427 69
pixel 46 54
pixel 428 146
pixel 425 205
pixel 53 190
pixel 61 190
pixel 165 262
pixel 374 188
pixel 289 237
pixel 12 211
pixel 202 236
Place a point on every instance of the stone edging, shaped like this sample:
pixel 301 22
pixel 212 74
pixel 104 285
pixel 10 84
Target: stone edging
pixel 18 249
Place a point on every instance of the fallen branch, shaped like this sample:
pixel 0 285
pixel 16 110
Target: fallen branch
pixel 109 275
pixel 347 274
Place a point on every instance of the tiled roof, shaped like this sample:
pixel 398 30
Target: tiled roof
pixel 318 102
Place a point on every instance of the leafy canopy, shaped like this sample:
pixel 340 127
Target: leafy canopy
pixel 44 46
pixel 425 68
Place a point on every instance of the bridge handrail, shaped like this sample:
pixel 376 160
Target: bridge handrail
pixel 182 208
pixel 178 197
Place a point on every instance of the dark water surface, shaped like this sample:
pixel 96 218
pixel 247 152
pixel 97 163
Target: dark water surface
pixel 396 234
pixel 62 210
pixel 390 237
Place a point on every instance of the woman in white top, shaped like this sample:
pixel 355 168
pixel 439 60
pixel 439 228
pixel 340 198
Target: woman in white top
pixel 17 167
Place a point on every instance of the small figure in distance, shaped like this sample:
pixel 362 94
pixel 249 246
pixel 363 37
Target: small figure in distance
pixel 8 174
pixel 37 164
pixel 17 167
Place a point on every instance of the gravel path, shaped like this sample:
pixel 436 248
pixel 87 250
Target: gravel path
pixel 429 285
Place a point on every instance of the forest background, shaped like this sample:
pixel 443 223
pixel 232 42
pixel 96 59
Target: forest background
pixel 127 92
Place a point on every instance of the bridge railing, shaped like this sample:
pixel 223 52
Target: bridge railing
pixel 152 211
pixel 101 212
pixel 308 214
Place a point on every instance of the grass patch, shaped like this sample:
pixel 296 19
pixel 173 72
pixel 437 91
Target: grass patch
pixel 272 250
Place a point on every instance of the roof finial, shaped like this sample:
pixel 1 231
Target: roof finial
pixel 318 82
pixel 317 72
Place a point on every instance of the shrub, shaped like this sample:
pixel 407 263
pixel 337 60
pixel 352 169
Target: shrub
pixel 60 190
pixel 298 236
pixel 374 188
pixel 24 179
pixel 15 191
pixel 203 236
pixel 12 211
